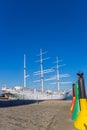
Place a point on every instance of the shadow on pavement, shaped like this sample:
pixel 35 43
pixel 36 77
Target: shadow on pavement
pixel 11 103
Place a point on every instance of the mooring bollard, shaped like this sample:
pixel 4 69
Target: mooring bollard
pixel 81 121
pixel 77 105
pixel 73 98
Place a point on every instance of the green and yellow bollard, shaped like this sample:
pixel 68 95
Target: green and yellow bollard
pixel 81 121
pixel 77 105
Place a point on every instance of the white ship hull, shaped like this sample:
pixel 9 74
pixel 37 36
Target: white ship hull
pixel 44 96
pixel 35 95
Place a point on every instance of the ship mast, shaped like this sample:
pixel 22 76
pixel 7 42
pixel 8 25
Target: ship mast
pixel 24 71
pixel 41 71
pixel 25 75
pixel 57 75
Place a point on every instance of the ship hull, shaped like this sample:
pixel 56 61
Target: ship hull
pixel 36 96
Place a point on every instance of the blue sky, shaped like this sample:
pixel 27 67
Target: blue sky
pixel 56 26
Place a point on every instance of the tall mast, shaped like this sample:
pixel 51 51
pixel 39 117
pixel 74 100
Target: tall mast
pixel 57 76
pixel 24 71
pixel 41 71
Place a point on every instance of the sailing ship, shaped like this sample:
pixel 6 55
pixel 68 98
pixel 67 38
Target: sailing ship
pixel 37 95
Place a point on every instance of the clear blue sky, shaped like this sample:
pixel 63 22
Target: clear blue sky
pixel 56 26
